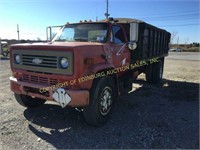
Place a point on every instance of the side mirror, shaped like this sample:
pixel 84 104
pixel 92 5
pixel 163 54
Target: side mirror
pixel 51 32
pixel 132 45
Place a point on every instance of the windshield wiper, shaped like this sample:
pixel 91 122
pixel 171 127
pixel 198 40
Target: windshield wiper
pixel 81 39
pixel 60 40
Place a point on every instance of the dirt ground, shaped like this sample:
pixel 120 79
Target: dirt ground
pixel 152 116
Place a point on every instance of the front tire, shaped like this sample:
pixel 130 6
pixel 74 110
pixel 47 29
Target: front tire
pixel 102 96
pixel 28 101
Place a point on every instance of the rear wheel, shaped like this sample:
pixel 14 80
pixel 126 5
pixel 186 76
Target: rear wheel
pixel 5 54
pixel 28 101
pixel 102 97
pixel 125 84
pixel 154 72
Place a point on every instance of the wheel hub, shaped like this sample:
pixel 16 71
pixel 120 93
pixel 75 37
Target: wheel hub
pixel 106 101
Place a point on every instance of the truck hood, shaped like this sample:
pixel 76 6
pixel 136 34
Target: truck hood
pixel 57 45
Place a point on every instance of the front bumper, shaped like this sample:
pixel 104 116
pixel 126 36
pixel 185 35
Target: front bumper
pixel 78 97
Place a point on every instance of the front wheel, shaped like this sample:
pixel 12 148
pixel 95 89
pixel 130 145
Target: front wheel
pixel 28 101
pixel 102 97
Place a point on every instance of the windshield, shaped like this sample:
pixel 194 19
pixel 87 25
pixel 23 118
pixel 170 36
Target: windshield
pixel 86 32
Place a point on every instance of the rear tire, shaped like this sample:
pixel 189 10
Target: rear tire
pixel 5 54
pixel 102 96
pixel 154 72
pixel 125 84
pixel 28 101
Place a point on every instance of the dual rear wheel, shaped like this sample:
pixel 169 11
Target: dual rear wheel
pixel 154 72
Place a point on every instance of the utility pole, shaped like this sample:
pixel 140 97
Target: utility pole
pixel 177 41
pixel 107 14
pixel 18 31
pixel 0 46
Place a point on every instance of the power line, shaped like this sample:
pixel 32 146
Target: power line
pixel 181 25
pixel 174 13
pixel 173 16
pixel 167 19
pixel 180 12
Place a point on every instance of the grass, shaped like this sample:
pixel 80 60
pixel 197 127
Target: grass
pixel 191 49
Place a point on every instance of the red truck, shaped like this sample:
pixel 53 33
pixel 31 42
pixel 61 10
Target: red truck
pixel 88 64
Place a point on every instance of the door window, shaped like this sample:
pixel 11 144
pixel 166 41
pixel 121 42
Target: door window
pixel 117 35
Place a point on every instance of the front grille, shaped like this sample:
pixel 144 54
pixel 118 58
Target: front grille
pixel 38 80
pixel 46 61
pixel 40 61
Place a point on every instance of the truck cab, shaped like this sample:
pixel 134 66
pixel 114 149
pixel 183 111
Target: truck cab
pixel 87 65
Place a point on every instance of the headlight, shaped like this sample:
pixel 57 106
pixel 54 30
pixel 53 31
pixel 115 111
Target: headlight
pixel 17 59
pixel 64 63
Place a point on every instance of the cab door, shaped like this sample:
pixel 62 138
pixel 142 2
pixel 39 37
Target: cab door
pixel 119 47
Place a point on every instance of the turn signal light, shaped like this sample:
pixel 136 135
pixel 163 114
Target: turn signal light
pixel 85 21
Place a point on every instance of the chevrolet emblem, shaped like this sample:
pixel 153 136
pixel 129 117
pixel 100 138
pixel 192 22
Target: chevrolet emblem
pixel 37 61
